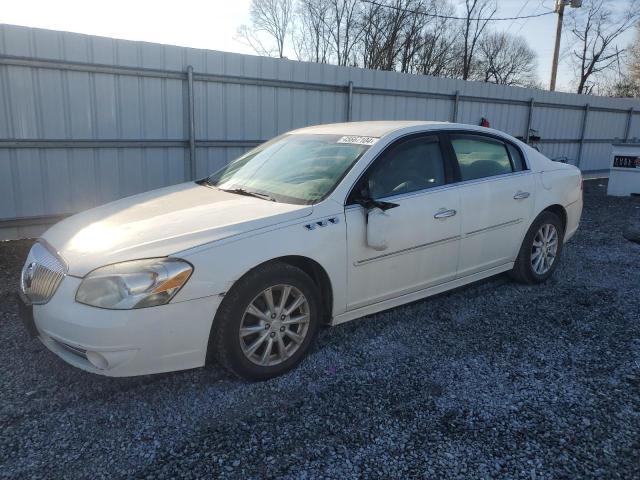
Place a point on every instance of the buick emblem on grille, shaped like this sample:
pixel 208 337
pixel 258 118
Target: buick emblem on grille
pixel 27 276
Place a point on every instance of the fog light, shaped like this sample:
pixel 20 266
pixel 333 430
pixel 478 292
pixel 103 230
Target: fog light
pixel 97 360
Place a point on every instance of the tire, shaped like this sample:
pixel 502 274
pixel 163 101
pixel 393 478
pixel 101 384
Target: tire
pixel 246 306
pixel 524 269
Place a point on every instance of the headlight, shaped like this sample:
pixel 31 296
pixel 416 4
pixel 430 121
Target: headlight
pixel 135 284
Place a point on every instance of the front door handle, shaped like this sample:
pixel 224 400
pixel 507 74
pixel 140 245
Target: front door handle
pixel 444 213
pixel 520 195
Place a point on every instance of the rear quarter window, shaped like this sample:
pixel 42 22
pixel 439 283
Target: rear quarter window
pixel 516 158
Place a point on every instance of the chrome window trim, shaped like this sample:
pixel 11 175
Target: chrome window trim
pixel 493 178
pixel 464 183
pixel 426 133
pixel 490 139
pixel 435 133
pixel 497 137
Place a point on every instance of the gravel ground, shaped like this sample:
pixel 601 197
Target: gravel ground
pixel 495 380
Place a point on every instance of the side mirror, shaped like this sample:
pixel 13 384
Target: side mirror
pixel 377 218
pixel 370 204
pixel 377 226
pixel 365 200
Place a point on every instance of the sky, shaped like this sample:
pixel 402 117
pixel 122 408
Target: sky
pixel 212 24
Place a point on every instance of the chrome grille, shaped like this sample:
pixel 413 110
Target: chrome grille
pixel 42 273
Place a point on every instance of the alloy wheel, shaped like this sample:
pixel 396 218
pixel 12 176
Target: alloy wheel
pixel 274 325
pixel 544 249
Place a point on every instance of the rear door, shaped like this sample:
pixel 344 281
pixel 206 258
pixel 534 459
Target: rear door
pixel 497 200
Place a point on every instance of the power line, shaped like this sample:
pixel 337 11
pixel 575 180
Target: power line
pixel 524 5
pixel 449 17
pixel 534 10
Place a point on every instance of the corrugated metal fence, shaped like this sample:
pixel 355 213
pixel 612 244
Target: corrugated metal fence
pixel 85 120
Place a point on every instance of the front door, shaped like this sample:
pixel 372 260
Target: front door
pixel 422 232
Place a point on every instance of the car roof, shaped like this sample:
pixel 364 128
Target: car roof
pixel 379 129
pixel 370 129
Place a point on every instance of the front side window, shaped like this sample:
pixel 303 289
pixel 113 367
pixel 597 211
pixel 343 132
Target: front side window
pixel 297 168
pixel 481 157
pixel 405 167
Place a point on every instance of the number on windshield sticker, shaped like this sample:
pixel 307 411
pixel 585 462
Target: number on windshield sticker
pixel 358 140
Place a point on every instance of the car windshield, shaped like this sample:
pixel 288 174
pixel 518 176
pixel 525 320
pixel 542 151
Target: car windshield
pixel 296 168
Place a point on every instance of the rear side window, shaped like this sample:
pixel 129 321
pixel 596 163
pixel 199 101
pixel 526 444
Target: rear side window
pixel 481 157
pixel 408 166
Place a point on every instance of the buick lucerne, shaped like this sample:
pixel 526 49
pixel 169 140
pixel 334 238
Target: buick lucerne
pixel 320 225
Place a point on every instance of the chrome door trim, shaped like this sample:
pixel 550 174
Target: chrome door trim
pixel 493 227
pixel 442 241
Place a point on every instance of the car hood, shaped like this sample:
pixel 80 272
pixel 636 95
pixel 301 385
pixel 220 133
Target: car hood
pixel 161 222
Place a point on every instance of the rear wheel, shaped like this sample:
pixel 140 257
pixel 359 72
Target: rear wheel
pixel 541 250
pixel 267 322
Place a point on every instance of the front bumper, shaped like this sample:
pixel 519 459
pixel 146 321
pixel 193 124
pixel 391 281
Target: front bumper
pixel 122 343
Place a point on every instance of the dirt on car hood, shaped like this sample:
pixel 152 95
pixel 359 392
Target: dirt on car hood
pixel 161 222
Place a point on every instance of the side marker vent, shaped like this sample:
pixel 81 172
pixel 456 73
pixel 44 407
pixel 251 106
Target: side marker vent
pixel 322 223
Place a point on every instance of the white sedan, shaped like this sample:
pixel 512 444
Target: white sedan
pixel 318 226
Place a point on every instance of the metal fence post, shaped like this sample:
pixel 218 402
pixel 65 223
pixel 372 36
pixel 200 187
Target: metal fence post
pixel 191 166
pixel 350 101
pixel 628 129
pixel 585 118
pixel 456 100
pixel 529 118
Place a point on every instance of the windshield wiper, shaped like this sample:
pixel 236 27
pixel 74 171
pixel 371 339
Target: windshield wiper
pixel 205 181
pixel 242 191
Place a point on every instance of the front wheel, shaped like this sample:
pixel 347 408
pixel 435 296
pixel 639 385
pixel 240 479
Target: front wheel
pixel 267 322
pixel 541 249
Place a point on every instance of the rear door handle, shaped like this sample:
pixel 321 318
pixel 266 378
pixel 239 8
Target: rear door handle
pixel 521 195
pixel 444 213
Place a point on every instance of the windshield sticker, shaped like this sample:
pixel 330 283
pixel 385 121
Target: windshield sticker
pixel 358 140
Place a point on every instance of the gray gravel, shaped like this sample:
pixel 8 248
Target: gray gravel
pixel 496 380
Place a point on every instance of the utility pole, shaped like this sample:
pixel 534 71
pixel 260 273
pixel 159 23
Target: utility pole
pixel 560 4
pixel 556 50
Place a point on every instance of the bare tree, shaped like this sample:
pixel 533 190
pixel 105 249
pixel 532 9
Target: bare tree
pixel 415 36
pixel 597 29
pixel 270 18
pixel 391 31
pixel 633 63
pixel 627 81
pixel 374 34
pixel 506 60
pixel 440 48
pixel 345 28
pixel 311 39
pixel 477 16
pixel 412 34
